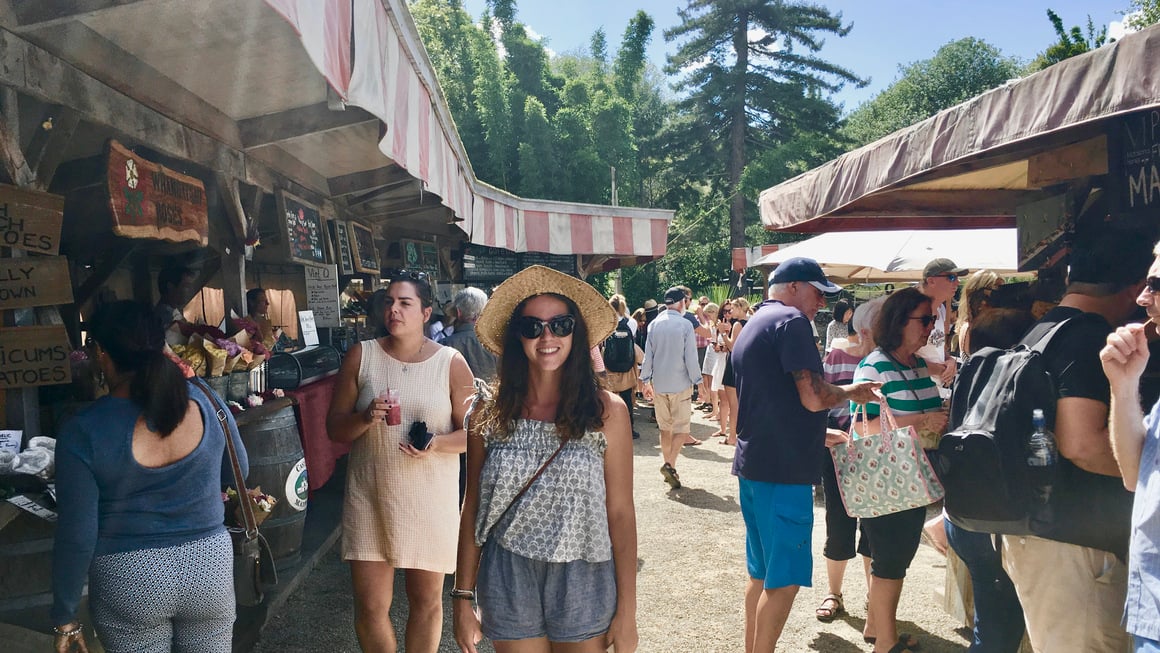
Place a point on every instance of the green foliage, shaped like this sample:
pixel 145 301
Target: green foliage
pixel 959 71
pixel 751 75
pixel 1071 42
pixel 1142 13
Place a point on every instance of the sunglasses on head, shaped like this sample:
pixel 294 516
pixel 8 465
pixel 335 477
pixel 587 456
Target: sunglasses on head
pixel 531 328
pixel 1153 285
pixel 412 275
pixel 927 320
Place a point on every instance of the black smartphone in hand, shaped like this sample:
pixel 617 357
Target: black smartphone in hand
pixel 419 436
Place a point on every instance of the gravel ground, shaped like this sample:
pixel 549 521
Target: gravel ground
pixel 692 575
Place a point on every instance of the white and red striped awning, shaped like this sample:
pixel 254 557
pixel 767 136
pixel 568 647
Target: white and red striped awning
pixel 503 220
pixel 392 78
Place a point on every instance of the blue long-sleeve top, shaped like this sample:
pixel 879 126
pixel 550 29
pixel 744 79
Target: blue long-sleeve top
pixel 109 503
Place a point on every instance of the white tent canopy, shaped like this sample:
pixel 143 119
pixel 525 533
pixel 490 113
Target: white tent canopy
pixel 872 256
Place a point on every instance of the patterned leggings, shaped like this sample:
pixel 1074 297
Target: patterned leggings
pixel 178 598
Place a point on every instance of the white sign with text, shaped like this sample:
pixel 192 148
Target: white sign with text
pixel 308 328
pixel 322 294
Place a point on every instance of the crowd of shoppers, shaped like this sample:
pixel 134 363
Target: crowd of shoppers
pixel 544 548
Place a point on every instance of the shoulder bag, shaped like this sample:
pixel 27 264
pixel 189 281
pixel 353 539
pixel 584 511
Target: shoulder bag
pixel 884 473
pixel 253 559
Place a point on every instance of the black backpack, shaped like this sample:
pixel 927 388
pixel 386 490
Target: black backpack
pixel 982 460
pixel 619 349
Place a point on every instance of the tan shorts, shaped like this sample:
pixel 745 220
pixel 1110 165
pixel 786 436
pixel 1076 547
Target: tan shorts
pixel 674 411
pixel 1054 579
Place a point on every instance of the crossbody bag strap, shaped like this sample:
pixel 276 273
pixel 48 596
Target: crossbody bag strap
pixel 251 522
pixel 527 485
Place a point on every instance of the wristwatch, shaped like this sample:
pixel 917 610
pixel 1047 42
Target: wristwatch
pixel 468 595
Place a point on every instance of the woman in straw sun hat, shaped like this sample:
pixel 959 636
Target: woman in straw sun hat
pixel 547 537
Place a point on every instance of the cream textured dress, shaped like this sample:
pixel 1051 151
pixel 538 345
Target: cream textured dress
pixel 398 509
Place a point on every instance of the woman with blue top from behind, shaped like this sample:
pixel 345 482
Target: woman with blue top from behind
pixel 547 537
pixel 139 479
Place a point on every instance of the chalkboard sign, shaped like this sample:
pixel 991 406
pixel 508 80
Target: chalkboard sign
pixel 489 264
pixel 1139 167
pixel 366 256
pixel 560 262
pixel 302 225
pixel 342 246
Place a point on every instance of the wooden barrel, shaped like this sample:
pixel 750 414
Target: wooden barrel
pixel 278 466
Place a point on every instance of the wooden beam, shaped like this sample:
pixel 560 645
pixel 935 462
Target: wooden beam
pixel 31 13
pixel 1084 159
pixel 383 190
pixel 232 202
pixel 47 149
pixel 300 121
pixel 358 182
pixel 11 156
pixel 113 66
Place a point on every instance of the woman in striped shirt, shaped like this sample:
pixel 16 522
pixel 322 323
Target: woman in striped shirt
pixel 912 395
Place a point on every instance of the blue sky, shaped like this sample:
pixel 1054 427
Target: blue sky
pixel 886 32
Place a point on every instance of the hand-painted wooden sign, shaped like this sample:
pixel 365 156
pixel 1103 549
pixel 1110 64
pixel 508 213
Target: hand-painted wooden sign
pixel 301 224
pixel 32 356
pixel 30 220
pixel 34 281
pixel 1139 178
pixel 149 200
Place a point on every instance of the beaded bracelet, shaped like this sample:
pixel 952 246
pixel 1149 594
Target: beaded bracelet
pixel 68 633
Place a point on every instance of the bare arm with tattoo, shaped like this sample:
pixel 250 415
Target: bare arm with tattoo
pixel 817 395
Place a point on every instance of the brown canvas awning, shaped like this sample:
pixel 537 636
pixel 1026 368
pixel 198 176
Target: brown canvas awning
pixel 970 166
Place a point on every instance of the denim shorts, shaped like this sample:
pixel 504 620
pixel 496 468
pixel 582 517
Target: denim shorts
pixel 521 598
pixel 779 524
pixel 1144 645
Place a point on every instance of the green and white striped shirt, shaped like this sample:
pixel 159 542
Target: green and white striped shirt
pixel 908 390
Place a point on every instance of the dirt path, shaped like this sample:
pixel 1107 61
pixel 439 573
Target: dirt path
pixel 692 575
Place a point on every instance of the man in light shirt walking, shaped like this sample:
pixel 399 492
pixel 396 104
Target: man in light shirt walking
pixel 669 373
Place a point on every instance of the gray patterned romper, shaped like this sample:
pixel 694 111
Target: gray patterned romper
pixel 546 568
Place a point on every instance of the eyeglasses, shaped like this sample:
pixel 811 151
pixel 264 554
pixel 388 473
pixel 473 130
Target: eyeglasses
pixel 532 328
pixel 412 275
pixel 951 277
pixel 1153 285
pixel 927 320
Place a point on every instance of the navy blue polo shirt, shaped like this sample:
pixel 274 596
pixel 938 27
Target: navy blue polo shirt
pixel 778 439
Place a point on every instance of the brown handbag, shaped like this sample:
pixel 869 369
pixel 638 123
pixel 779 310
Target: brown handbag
pixel 253 560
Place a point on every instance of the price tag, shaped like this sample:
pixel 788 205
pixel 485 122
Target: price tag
pixel 10 441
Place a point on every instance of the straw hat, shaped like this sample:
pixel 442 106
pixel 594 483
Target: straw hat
pixel 539 280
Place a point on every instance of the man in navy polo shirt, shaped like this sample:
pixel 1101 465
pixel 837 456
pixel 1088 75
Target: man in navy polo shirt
pixel 782 436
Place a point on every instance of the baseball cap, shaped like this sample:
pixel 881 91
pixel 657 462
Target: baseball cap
pixel 800 268
pixel 942 266
pixel 674 295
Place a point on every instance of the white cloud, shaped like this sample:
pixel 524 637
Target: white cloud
pixel 497 35
pixel 1118 28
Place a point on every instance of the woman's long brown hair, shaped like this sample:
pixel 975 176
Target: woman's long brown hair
pixel 580 409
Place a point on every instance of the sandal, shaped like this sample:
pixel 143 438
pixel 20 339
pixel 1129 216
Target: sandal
pixel 830 608
pixel 906 643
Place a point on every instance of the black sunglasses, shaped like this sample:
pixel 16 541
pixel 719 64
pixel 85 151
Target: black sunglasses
pixel 1154 285
pixel 927 320
pixel 413 275
pixel 531 328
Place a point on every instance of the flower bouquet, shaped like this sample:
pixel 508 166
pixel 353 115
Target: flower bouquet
pixel 263 506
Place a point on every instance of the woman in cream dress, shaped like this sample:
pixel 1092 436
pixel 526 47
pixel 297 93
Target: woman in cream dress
pixel 401 507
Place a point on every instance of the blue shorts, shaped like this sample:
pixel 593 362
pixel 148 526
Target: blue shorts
pixel 1144 645
pixel 521 598
pixel 779 524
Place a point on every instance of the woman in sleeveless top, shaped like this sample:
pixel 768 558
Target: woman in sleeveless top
pixel 547 539
pixel 739 317
pixel 401 505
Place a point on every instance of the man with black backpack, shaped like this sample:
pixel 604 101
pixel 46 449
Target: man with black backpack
pixel 1070 574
